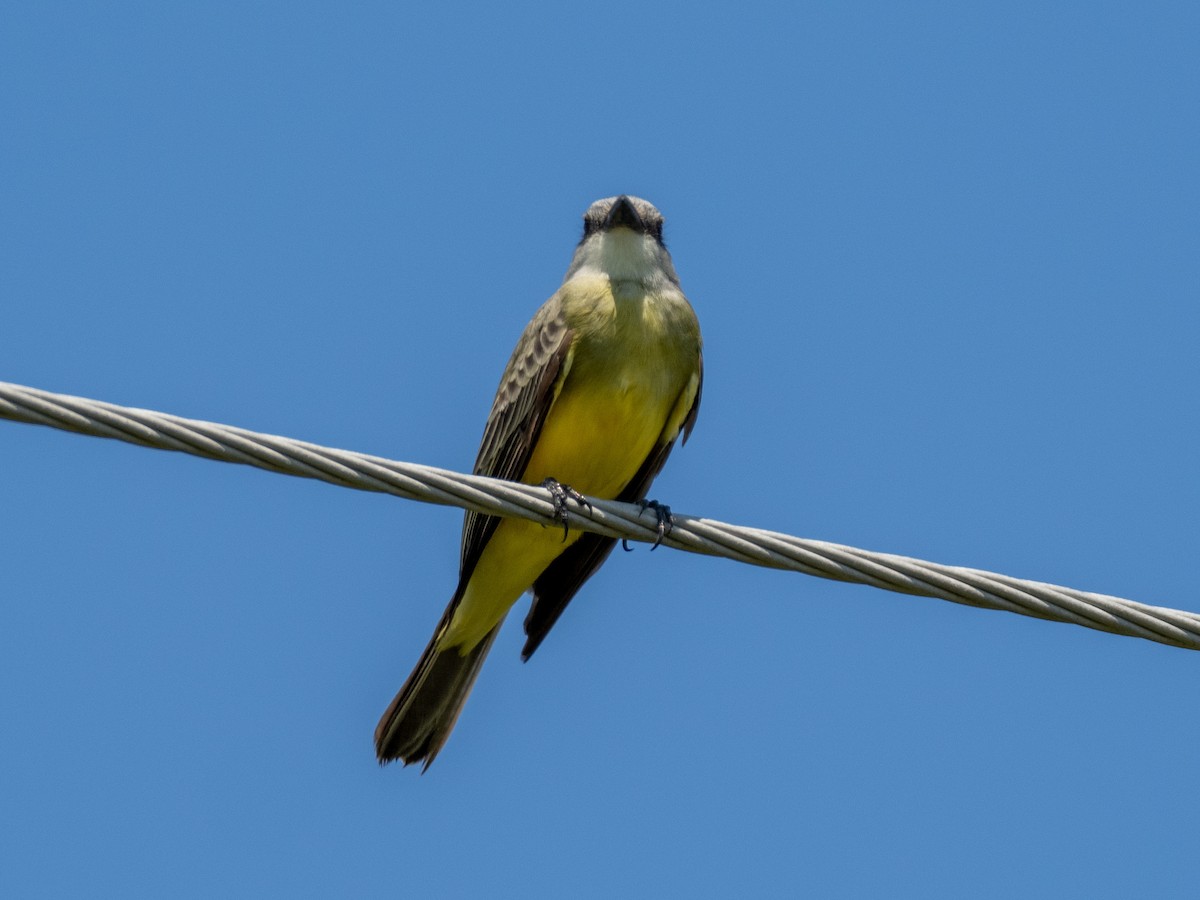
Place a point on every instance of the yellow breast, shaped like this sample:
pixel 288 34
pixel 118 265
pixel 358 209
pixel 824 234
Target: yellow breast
pixel 632 359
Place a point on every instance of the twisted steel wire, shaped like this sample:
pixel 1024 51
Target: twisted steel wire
pixel 346 468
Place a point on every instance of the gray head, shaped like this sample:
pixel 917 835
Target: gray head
pixel 630 212
pixel 623 239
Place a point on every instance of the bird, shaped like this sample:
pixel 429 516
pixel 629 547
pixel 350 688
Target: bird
pixel 604 380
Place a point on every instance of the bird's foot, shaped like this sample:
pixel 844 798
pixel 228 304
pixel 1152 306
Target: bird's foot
pixel 662 513
pixel 559 495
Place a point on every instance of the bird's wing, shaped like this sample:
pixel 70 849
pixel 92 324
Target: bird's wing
pixel 528 387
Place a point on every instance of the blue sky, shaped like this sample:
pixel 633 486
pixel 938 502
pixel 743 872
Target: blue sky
pixel 945 261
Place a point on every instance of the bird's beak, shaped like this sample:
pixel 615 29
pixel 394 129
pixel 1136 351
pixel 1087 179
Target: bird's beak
pixel 623 214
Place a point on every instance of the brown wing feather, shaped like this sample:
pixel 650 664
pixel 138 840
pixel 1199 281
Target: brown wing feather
pixel 526 392
pixel 556 586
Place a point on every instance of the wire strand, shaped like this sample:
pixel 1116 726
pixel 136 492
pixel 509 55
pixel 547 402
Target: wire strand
pixel 346 468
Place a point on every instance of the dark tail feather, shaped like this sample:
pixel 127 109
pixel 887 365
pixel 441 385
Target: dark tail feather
pixel 557 585
pixel 420 719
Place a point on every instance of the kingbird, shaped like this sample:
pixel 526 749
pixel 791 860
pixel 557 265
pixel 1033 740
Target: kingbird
pixel 605 378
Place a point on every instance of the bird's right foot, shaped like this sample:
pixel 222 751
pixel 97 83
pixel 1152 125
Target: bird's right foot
pixel 559 495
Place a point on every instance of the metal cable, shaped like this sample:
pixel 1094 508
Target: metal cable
pixel 623 520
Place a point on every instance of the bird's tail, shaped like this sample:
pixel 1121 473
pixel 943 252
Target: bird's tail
pixel 422 715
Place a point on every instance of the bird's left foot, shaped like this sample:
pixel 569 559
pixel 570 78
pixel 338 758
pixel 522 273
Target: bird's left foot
pixel 662 513
pixel 559 495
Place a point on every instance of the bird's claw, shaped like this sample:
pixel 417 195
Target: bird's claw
pixel 666 522
pixel 559 495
